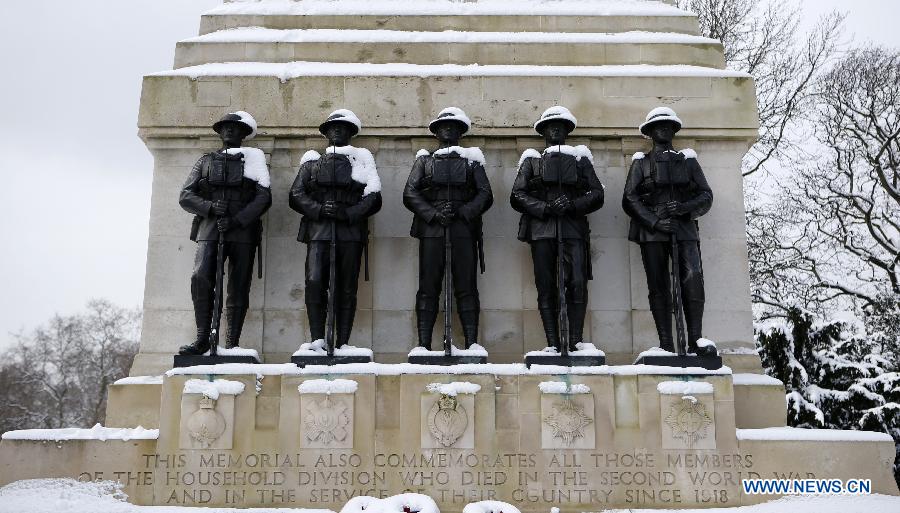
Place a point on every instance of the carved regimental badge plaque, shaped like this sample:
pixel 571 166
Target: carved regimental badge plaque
pixel 688 424
pixel 448 421
pixel 327 421
pixel 567 425
pixel 206 423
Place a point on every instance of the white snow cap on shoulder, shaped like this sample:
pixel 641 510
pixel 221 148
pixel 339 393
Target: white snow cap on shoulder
pixel 310 156
pixel 362 167
pixel 473 154
pixel 528 154
pixel 556 112
pixel 638 156
pixel 255 167
pixel 239 117
pixel 422 153
pixel 451 114
pixel 659 114
pixel 689 153
pixel 578 152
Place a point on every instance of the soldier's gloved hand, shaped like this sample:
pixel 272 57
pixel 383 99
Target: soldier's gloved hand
pixel 447 210
pixel 225 224
pixel 558 206
pixel 329 210
pixel 665 226
pixel 220 208
pixel 567 204
pixel 672 209
pixel 443 219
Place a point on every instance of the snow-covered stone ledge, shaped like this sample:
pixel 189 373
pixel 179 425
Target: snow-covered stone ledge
pixel 398 369
pixel 98 433
pixel 289 70
pixel 328 386
pixel 792 434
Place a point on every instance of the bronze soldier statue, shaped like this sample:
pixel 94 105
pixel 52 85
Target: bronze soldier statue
pixel 227 191
pixel 448 189
pixel 336 193
pixel 665 193
pixel 555 191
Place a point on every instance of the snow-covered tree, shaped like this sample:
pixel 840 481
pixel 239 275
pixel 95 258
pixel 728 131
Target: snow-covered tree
pixel 837 375
pixel 57 375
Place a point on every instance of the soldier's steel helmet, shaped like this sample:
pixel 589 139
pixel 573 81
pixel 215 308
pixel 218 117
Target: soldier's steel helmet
pixel 451 114
pixel 241 117
pixel 556 113
pixel 659 114
pixel 342 116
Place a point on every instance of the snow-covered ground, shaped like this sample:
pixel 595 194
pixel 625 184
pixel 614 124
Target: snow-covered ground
pixel 69 496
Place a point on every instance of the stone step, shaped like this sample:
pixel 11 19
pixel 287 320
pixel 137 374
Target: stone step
pixel 438 15
pixel 399 99
pixel 686 24
pixel 387 46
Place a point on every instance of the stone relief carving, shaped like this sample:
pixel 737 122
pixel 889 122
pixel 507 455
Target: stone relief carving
pixel 327 421
pixel 447 420
pixel 206 425
pixel 688 420
pixel 568 421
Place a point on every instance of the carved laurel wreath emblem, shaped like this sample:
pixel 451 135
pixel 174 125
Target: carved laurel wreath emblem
pixel 206 425
pixel 447 420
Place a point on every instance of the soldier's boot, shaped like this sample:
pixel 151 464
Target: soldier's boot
pixel 661 309
pixel 316 312
pixel 693 318
pixel 344 325
pixel 469 321
pixel 235 318
pixel 203 318
pixel 551 326
pixel 577 312
pixel 425 320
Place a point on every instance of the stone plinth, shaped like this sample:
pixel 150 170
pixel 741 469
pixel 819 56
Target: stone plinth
pixel 609 64
pixel 584 440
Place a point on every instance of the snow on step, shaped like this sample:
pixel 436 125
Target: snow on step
pixel 328 386
pixel 561 387
pixel 812 435
pixel 269 35
pixel 97 432
pixel 212 389
pixel 289 70
pixel 684 387
pixel 756 379
pixel 140 380
pixel 454 389
pixel 450 8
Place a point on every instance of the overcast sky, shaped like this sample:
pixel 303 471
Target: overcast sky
pixel 75 200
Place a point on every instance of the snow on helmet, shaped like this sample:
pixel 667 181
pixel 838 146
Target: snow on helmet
pixel 660 114
pixel 241 117
pixel 556 113
pixel 451 114
pixel 342 116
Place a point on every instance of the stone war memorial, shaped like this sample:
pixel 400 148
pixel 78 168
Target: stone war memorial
pixel 326 107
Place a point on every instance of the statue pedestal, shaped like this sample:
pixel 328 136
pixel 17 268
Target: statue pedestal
pixel 303 361
pixel 675 360
pixel 191 360
pixel 587 438
pixel 444 360
pixel 565 361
